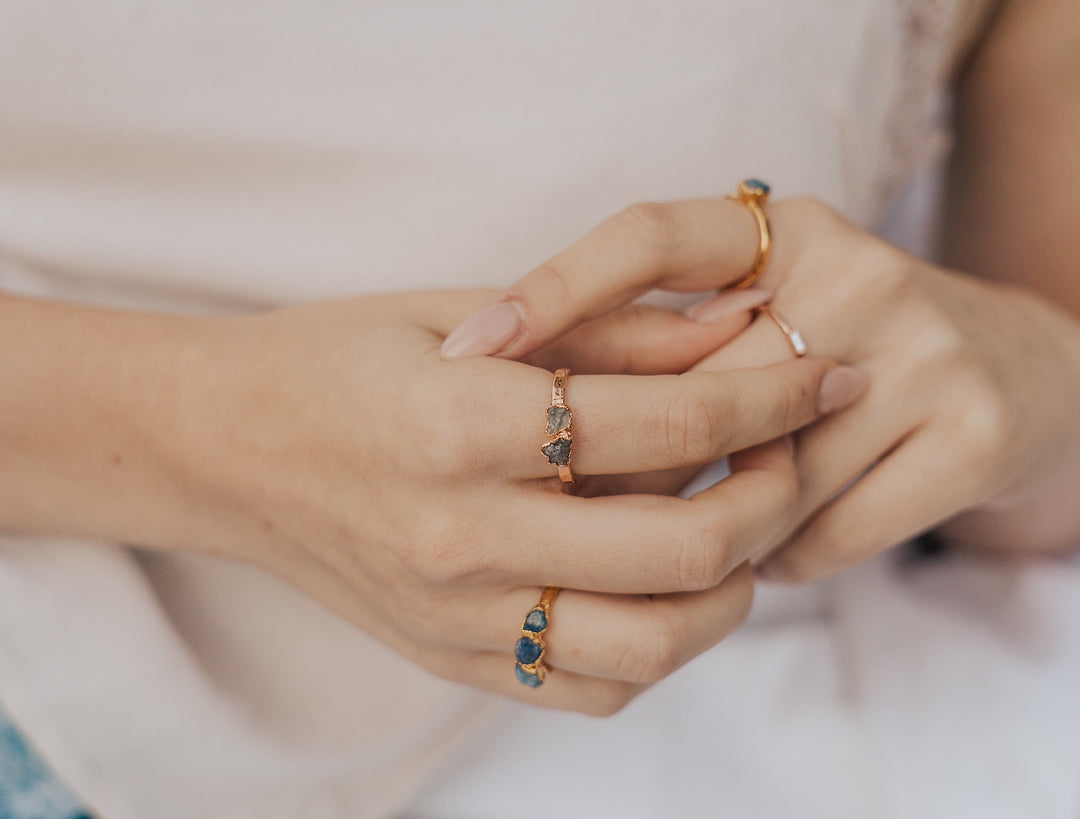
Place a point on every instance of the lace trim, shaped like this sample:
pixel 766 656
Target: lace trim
pixel 936 34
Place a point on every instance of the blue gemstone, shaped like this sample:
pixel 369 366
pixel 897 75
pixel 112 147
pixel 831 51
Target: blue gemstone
pixel 527 678
pixel 758 185
pixel 535 620
pixel 527 651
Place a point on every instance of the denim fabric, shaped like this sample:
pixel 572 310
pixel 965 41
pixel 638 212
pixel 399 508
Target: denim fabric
pixel 28 789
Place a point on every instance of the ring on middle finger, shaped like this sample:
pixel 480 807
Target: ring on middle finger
pixel 559 420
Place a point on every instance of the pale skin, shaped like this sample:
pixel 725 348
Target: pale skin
pixel 331 444
pixel 970 418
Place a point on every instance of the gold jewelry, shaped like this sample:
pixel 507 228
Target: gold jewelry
pixel 752 194
pixel 559 418
pixel 794 337
pixel 529 649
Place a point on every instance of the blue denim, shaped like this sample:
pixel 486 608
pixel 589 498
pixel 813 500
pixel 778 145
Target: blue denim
pixel 28 789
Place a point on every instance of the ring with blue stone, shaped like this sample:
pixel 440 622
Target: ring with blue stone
pixel 752 194
pixel 559 418
pixel 529 649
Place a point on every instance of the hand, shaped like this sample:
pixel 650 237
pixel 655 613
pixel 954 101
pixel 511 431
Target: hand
pixel 973 385
pixel 333 445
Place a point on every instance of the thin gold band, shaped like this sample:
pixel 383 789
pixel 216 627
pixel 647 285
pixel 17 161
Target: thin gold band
pixel 752 194
pixel 794 337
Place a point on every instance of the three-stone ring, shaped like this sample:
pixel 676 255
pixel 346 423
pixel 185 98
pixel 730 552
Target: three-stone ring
pixel 529 649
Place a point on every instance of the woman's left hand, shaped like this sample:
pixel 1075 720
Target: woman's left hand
pixel 971 412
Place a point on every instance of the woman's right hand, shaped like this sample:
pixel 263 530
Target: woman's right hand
pixel 333 445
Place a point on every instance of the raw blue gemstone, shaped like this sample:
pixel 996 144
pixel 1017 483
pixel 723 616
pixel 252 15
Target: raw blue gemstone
pixel 535 620
pixel 527 678
pixel 758 185
pixel 527 651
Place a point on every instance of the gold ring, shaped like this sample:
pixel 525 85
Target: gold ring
pixel 529 649
pixel 559 418
pixel 752 194
pixel 793 336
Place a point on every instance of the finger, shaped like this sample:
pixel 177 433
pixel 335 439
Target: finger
pixel 626 423
pixel 912 490
pixel 636 638
pixel 840 448
pixel 562 690
pixel 688 245
pixel 645 544
pixel 646 340
pixel 638 338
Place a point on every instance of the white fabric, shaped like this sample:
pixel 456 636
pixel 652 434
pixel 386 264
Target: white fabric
pixel 201 155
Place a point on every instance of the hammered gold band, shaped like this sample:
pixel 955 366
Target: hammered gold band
pixel 794 337
pixel 752 194
pixel 529 650
pixel 559 419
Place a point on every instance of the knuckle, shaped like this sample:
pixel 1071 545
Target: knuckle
pixel 652 654
pixel 809 209
pixel 440 548
pixel 555 280
pixel 937 343
pixel 882 273
pixel 701 559
pixel 811 218
pixel 432 445
pixel 986 424
pixel 687 428
pixel 655 223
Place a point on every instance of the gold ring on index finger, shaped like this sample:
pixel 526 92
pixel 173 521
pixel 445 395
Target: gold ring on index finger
pixel 752 194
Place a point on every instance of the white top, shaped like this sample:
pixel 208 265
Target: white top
pixel 214 156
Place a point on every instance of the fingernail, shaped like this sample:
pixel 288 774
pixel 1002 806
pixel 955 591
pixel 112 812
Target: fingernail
pixel 728 304
pixel 485 333
pixel 839 387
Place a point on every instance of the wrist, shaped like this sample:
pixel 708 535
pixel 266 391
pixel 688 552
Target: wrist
pixel 1037 513
pixel 85 414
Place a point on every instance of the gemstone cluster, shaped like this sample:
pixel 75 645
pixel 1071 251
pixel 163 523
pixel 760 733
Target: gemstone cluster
pixel 529 649
pixel 557 449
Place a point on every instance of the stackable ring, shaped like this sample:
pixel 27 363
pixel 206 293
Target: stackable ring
pixel 529 649
pixel 793 336
pixel 559 418
pixel 752 194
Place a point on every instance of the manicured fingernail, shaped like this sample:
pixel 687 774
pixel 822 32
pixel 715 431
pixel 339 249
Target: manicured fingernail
pixel 485 333
pixel 839 387
pixel 728 304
